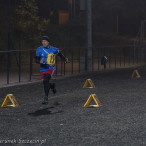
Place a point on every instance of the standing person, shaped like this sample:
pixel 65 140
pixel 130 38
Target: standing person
pixel 46 56
pixel 104 61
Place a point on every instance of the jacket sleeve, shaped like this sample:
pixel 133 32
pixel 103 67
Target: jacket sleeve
pixel 37 59
pixel 62 56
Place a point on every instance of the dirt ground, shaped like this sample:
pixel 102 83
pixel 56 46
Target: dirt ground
pixel 120 121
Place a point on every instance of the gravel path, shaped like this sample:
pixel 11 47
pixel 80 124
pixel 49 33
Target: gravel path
pixel 120 121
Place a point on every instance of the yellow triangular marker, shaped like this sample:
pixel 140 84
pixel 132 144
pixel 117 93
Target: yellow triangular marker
pixel 135 72
pixel 12 99
pixel 92 96
pixel 89 81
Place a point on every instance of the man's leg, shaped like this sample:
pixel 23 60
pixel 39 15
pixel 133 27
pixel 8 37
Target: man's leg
pixel 53 87
pixel 46 83
pixel 104 65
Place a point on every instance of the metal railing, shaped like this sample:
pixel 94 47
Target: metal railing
pixel 19 65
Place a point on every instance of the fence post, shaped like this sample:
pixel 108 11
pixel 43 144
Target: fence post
pixel 129 56
pixel 30 65
pixel 134 54
pixel 115 58
pixel 124 57
pixel 72 62
pixel 61 66
pixel 98 59
pixel 56 65
pixel 64 63
pixel 8 67
pixel 144 55
pixel 137 56
pixel 79 60
pixel 64 68
pixel 19 66
pixel 120 58
pixel 110 58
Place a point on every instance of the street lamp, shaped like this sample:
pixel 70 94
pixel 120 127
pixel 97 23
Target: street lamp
pixel 89 49
pixel 9 39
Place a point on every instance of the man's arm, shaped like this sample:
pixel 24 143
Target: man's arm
pixel 62 57
pixel 37 59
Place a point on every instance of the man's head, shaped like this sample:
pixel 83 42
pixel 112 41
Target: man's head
pixel 45 41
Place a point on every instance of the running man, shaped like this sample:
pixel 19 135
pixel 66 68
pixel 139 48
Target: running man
pixel 46 56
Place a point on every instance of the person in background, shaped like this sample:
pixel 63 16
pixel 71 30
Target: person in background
pixel 104 61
